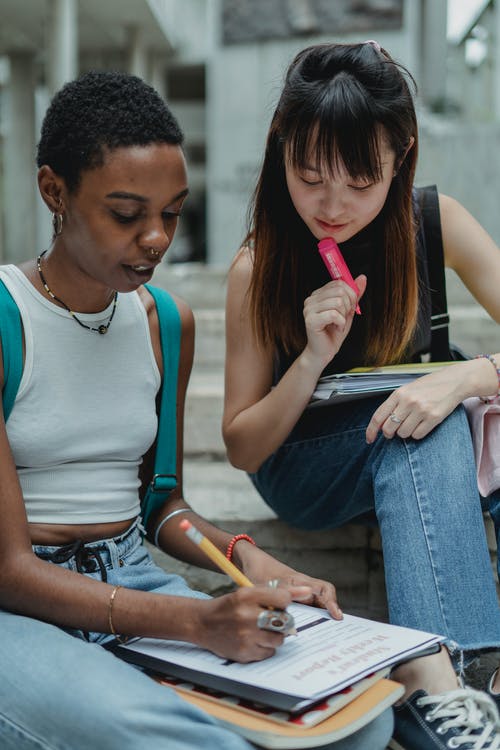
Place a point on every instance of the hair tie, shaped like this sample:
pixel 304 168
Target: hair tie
pixel 374 44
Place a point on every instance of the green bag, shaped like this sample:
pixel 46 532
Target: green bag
pixel 164 478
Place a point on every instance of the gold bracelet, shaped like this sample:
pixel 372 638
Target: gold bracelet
pixel 119 638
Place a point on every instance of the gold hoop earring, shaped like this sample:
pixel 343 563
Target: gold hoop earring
pixel 57 223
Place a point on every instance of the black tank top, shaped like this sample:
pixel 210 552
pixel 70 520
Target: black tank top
pixel 361 253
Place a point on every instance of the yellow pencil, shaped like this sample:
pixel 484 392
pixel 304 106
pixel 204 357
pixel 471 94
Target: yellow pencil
pixel 232 571
pixel 214 554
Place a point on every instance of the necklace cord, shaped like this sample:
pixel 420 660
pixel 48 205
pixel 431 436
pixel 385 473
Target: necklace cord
pixel 102 329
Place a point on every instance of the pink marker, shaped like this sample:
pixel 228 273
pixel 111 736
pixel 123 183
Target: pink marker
pixel 337 267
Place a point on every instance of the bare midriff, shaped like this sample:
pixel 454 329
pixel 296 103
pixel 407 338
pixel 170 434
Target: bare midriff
pixel 60 534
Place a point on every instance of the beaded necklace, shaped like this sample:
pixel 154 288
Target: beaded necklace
pixel 102 329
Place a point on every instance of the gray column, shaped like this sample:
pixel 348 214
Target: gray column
pixel 494 46
pixel 158 74
pixel 412 10
pixel 62 43
pixel 19 170
pixel 137 60
pixel 432 81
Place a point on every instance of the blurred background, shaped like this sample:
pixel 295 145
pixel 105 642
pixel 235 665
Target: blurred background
pixel 220 64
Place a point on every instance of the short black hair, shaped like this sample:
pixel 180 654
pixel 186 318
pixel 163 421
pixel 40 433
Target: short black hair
pixel 101 110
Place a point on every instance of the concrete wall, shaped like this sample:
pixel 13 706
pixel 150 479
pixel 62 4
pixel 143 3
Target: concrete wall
pixel 243 85
pixel 460 157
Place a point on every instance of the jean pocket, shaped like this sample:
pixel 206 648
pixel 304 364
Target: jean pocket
pixel 136 555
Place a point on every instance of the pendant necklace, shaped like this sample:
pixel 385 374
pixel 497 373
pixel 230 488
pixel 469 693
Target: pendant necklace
pixel 102 329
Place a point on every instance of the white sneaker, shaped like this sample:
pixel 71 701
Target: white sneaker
pixel 465 718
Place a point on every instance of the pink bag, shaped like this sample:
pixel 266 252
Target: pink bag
pixel 484 421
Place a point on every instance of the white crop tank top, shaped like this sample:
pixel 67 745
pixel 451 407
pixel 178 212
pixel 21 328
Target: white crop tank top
pixel 85 411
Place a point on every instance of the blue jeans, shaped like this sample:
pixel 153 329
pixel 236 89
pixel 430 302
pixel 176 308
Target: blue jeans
pixel 424 496
pixel 58 691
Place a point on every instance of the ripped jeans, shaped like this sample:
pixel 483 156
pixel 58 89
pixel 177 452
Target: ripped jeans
pixel 424 496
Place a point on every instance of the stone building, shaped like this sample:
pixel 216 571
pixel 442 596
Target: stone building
pixel 220 64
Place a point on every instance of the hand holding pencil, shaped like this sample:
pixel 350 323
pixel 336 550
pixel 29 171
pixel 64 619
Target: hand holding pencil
pixel 278 621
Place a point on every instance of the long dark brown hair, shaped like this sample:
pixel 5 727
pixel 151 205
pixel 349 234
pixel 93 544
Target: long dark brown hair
pixel 340 99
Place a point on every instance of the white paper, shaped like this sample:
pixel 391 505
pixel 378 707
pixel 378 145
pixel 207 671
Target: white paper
pixel 325 656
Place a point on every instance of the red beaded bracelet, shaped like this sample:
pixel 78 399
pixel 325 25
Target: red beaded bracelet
pixel 230 546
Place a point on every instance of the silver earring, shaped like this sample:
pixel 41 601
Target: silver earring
pixel 57 223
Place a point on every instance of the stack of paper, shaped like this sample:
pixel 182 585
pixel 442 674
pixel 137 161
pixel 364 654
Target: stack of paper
pixel 321 685
pixel 324 657
pixel 271 730
pixel 365 382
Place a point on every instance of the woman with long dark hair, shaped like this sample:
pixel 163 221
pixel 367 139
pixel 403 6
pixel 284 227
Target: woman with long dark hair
pixel 340 162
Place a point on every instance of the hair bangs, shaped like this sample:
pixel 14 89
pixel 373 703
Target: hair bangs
pixel 338 132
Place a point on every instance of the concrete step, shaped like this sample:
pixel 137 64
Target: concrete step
pixel 203 415
pixel 210 338
pixel 202 286
pixel 351 556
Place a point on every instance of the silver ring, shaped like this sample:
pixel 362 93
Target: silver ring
pixel 395 419
pixel 275 619
pixel 273 583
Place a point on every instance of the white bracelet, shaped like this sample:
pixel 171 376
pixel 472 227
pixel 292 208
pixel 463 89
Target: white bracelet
pixel 167 518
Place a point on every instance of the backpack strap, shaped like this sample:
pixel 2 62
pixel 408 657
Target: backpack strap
pixel 11 336
pixel 433 241
pixel 165 466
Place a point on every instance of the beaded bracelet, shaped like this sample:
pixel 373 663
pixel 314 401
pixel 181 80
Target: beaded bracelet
pixel 230 546
pixel 119 638
pixel 491 358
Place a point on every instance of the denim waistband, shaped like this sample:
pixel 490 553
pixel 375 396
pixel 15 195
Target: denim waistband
pixel 89 557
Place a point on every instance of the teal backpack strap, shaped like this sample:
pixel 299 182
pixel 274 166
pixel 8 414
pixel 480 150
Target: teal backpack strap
pixel 11 336
pixel 165 466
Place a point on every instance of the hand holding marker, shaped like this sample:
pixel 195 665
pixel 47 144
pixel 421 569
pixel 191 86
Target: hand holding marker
pixel 336 265
pixel 270 619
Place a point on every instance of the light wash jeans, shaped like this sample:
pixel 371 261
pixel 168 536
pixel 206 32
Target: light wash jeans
pixel 60 692
pixel 424 496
